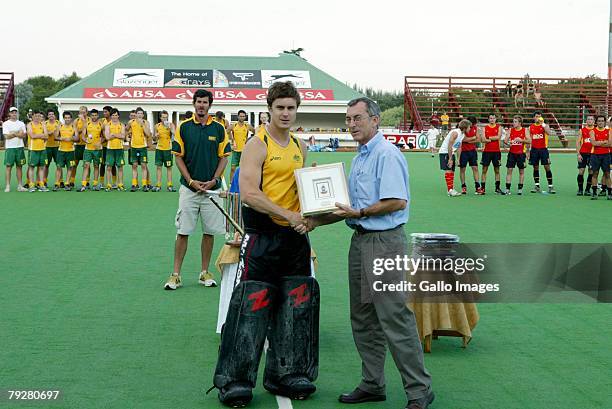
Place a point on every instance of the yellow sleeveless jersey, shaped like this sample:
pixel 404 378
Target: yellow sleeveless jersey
pixel 66 131
pixel 79 127
pixel 51 127
pixel 115 129
pixel 37 144
pixel 94 133
pixel 138 135
pixel 240 135
pixel 164 142
pixel 277 179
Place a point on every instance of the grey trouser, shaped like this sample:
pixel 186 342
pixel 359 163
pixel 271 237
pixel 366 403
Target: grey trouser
pixel 383 319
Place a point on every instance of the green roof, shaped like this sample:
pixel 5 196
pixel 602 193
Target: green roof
pixel 138 59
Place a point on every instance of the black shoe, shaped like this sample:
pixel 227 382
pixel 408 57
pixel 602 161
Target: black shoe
pixel 602 192
pixel 422 403
pixel 580 193
pixel 134 188
pixel 296 387
pixel 236 394
pixel 498 191
pixel 359 396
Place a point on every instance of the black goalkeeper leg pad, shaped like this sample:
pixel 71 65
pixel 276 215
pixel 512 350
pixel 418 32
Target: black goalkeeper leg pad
pixel 292 361
pixel 242 341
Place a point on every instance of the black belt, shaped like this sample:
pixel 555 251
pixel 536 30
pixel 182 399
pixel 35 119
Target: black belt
pixel 360 230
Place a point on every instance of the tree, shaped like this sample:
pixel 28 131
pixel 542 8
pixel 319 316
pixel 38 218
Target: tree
pixel 32 92
pixel 392 117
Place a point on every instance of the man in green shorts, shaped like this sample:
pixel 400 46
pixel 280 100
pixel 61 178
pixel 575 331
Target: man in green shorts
pixel 52 125
pixel 14 134
pixel 65 155
pixel 114 133
pixel 37 157
pixel 93 151
pixel 164 134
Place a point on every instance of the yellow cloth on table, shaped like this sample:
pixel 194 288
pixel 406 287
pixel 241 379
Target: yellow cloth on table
pixel 460 317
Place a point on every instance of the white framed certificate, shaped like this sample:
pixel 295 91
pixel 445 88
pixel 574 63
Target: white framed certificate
pixel 321 187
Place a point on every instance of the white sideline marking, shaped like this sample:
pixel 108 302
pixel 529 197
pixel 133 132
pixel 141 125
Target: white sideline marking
pixel 282 401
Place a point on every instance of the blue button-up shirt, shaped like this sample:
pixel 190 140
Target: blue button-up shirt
pixel 379 171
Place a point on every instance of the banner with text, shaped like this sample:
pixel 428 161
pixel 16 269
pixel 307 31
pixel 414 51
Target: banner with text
pixel 188 78
pixel 228 94
pixel 301 79
pixel 138 77
pixel 237 79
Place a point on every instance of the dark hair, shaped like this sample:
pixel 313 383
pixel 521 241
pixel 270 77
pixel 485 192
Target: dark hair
pixel 283 90
pixel 36 111
pixel 242 111
pixel 113 111
pixel 219 114
pixel 600 116
pixel 107 108
pixel 188 114
pixel 68 113
pixel 139 109
pixel 93 111
pixel 50 110
pixel 133 111
pixel 201 93
pixel 160 114
pixel 493 114
pixel 537 113
pixel 590 115
pixel 472 119
pixel 264 112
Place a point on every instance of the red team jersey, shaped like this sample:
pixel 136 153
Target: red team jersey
pixel 586 146
pixel 517 147
pixel 538 136
pixel 489 132
pixel 601 135
pixel 466 146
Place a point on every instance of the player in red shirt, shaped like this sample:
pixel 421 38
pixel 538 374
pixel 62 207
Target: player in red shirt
pixel 491 152
pixel 584 147
pixel 469 156
pixel 539 131
pixel 517 138
pixel 601 140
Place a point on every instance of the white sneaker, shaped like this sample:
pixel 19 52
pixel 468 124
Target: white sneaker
pixel 453 193
pixel 207 279
pixel 7 189
pixel 21 189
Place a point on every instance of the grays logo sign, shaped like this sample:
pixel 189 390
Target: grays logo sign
pixel 188 78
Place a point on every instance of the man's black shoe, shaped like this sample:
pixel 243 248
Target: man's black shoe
pixel 359 396
pixel 296 387
pixel 236 394
pixel 422 403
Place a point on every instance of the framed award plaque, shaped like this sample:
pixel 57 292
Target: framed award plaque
pixel 321 187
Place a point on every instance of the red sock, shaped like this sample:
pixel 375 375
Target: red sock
pixel 450 178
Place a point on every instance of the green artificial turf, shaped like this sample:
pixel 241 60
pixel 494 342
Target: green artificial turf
pixel 83 308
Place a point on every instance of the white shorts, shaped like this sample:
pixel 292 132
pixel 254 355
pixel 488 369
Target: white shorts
pixel 194 205
pixel 431 142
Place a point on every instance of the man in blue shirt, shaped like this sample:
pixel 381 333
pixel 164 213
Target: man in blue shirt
pixel 378 190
